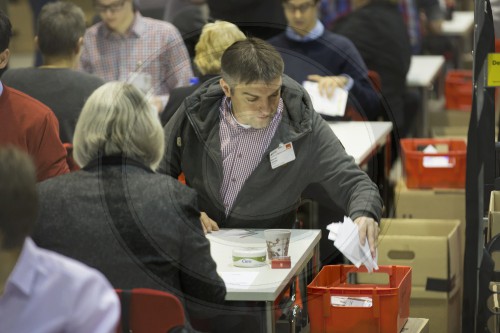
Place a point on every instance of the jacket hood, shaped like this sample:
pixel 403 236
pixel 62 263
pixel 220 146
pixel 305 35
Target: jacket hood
pixel 203 105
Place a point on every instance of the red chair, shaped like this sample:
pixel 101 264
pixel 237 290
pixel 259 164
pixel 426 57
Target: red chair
pixel 375 80
pixel 351 113
pixel 73 166
pixel 149 311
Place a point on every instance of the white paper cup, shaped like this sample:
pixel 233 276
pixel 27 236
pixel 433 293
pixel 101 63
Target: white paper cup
pixel 277 241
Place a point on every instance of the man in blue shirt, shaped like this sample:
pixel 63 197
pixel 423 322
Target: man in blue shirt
pixel 42 291
pixel 313 53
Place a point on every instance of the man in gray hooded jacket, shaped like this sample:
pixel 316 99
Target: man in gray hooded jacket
pixel 250 142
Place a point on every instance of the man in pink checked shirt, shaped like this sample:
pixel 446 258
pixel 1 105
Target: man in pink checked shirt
pixel 126 46
pixel 249 142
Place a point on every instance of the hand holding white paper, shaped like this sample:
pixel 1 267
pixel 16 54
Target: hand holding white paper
pixel 346 238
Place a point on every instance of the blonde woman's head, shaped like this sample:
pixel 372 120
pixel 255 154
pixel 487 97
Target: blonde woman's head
pixel 215 38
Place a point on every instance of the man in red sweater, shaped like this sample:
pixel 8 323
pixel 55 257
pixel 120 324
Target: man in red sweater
pixel 27 123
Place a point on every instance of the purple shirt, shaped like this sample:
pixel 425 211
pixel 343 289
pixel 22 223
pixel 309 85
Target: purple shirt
pixel 150 46
pixel 49 293
pixel 242 150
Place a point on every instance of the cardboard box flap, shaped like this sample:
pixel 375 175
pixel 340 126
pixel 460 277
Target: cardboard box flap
pixel 429 203
pixel 494 215
pixel 434 228
pixel 445 285
pixel 430 247
pixel 421 292
pixel 401 187
pixel 495 201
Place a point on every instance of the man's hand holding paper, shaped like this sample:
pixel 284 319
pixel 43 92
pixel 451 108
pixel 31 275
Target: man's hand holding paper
pixel 328 94
pixel 350 238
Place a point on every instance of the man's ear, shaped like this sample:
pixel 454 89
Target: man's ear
pixel 225 87
pixel 79 45
pixel 4 58
pixel 37 44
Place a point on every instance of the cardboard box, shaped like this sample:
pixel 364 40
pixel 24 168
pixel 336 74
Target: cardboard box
pixel 452 118
pixel 430 247
pixel 493 323
pixel 453 132
pixel 430 204
pixel 494 225
pixel 444 310
pixel 450 132
pixel 449 119
pixel 494 215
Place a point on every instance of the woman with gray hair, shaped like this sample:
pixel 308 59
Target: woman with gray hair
pixel 118 121
pixel 139 228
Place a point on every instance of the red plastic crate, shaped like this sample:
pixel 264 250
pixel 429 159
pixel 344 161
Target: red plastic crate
pixel 420 174
pixel 458 90
pixel 390 303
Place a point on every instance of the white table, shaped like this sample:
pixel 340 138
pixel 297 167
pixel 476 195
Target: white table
pixel 425 72
pixel 362 138
pixel 459 28
pixel 424 69
pixel 269 283
pixel 461 24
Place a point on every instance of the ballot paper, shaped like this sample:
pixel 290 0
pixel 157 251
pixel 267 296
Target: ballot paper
pixel 240 233
pixel 333 106
pixel 346 238
pixel 238 280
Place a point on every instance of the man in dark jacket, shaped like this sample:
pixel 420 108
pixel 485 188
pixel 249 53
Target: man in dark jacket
pixel 250 142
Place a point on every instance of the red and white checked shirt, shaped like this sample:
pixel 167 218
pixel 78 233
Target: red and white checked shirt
pixel 150 46
pixel 242 150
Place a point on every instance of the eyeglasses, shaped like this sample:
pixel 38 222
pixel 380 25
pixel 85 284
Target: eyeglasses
pixel 301 8
pixel 113 8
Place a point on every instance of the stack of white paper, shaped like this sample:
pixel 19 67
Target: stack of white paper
pixel 346 238
pixel 333 106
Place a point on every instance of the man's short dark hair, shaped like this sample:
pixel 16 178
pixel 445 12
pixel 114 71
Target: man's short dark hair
pixel 60 26
pixel 5 31
pixel 18 197
pixel 135 4
pixel 285 1
pixel 251 60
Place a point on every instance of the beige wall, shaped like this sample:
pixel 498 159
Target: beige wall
pixel 21 18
